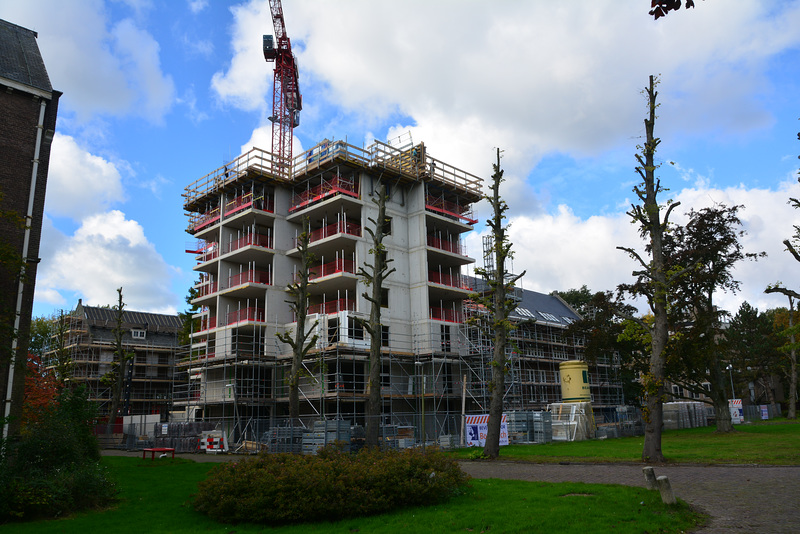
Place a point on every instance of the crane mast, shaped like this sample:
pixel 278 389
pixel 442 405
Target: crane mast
pixel 286 98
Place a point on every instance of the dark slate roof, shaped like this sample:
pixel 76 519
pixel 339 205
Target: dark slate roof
pixel 20 60
pixel 541 307
pixel 132 319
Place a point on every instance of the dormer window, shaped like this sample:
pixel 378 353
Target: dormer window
pixel 138 333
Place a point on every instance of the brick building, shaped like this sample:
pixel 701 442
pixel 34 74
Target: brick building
pixel 28 108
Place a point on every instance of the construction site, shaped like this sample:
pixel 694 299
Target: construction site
pixel 246 217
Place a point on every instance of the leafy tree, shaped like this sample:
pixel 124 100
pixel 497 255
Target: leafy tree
pixel 652 277
pixel 374 276
pixel 787 325
pixel 702 256
pixel 578 299
pixel 41 390
pixel 119 368
pixel 500 304
pixel 302 341
pixel 753 346
pixel 189 324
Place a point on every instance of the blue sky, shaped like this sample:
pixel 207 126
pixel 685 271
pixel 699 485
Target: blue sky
pixel 157 94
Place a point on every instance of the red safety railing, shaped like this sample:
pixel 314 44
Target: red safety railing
pixel 257 240
pixel 333 267
pixel 449 315
pixel 264 203
pixel 246 314
pixel 238 203
pixel 198 221
pixel 340 227
pixel 206 251
pixel 206 289
pixel 207 323
pixel 452 280
pixel 455 247
pixel 333 306
pixel 452 209
pixel 250 277
pixel 335 186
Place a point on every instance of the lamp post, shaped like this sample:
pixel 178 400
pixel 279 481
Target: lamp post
pixel 422 400
pixel 730 371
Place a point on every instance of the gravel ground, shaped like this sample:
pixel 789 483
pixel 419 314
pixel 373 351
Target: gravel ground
pixel 762 499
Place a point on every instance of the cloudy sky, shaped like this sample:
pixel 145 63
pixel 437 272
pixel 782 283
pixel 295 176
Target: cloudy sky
pixel 159 93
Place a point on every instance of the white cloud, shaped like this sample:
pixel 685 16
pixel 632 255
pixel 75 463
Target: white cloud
pixel 563 251
pixel 79 183
pixel 139 54
pixel 108 251
pixel 196 6
pixel 247 80
pixel 262 138
pixel 101 66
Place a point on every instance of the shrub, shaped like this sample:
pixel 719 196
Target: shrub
pixel 53 469
pixel 285 488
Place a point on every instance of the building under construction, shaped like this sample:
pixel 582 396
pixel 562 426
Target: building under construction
pixel 84 348
pixel 246 217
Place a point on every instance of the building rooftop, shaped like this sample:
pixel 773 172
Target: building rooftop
pixel 150 321
pixel 20 60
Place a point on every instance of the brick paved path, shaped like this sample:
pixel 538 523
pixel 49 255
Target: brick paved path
pixel 738 498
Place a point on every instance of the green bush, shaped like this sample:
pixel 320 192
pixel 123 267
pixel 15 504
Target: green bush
pixel 286 488
pixel 53 469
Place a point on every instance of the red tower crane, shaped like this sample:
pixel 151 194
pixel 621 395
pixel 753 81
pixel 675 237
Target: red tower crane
pixel 286 98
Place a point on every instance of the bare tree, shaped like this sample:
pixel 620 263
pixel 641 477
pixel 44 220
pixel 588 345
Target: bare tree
pixel 500 303
pixel 652 282
pixel 661 8
pixel 374 276
pixel 302 341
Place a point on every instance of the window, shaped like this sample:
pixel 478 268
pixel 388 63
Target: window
pixel 387 226
pixel 384 335
pixel 445 336
pixel 138 333
pixel 384 298
pixel 333 330
pixel 355 330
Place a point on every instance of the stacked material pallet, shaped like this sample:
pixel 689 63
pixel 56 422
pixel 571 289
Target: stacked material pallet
pixel 389 437
pixel 518 427
pixel 327 432
pixel 183 437
pixel 679 415
pixel 284 439
pixel 541 427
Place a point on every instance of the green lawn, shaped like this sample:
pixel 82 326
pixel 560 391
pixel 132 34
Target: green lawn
pixel 154 495
pixel 768 443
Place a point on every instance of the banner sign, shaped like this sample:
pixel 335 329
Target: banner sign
pixel 737 412
pixel 477 426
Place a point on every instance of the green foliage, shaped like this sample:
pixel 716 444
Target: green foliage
pixel 333 485
pixel 53 469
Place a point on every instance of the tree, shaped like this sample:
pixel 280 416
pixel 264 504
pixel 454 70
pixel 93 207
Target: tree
pixel 303 341
pixel 578 299
pixel 500 304
pixel 701 257
pixel 791 332
pixel 753 347
pixel 787 326
pixel 374 276
pixel 119 368
pixel 41 390
pixel 651 280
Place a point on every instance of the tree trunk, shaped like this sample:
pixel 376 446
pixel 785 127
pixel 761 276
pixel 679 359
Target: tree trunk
pixel 372 429
pixel 721 409
pixel 491 447
pixel 793 369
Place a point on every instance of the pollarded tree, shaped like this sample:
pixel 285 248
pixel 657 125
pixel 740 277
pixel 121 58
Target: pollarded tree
pixel 373 276
pixel 788 328
pixel 119 368
pixel 652 277
pixel 498 300
pixel 301 340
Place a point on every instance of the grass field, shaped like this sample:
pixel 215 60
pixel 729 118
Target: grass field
pixel 154 498
pixel 768 443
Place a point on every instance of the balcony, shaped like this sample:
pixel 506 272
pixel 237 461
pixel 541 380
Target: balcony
pixel 333 267
pixel 340 227
pixel 450 209
pixel 250 277
pixel 246 315
pixel 199 221
pixel 256 240
pixel 454 246
pixel 207 323
pixel 329 188
pixel 445 314
pixel 457 281
pixel 333 306
pixel 206 288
